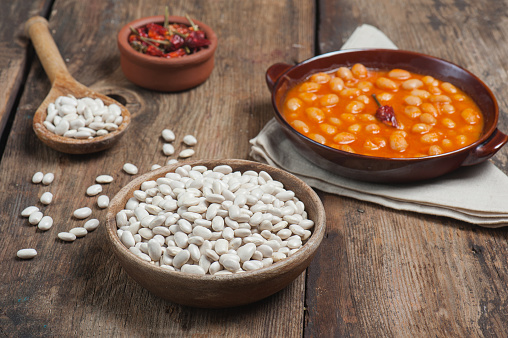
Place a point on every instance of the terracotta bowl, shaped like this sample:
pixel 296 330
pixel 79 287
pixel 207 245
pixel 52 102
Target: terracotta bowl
pixel 162 74
pixel 281 77
pixel 217 291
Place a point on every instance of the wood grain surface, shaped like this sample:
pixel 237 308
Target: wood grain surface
pixel 14 54
pixel 378 272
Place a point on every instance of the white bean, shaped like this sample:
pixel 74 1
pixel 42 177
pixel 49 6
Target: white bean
pixel 26 253
pixel 45 223
pixel 190 140
pixel 37 177
pixel 103 201
pixel 94 189
pixel 82 213
pixel 252 265
pixel 130 168
pixel 66 236
pixel 195 269
pixel 91 224
pixel 29 210
pixel 168 135
pixel 35 217
pixel 186 153
pixel 48 178
pixel 79 231
pixel 154 249
pixel 245 252
pixel 231 265
pixel 127 239
pixel 104 179
pixel 181 258
pixel 168 149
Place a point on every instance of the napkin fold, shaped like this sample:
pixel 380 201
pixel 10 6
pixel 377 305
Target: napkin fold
pixel 475 194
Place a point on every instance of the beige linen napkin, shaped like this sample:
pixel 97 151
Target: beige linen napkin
pixel 476 194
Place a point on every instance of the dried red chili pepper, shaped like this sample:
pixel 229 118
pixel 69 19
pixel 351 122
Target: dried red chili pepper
pixel 154 51
pixel 385 114
pixel 196 39
pixel 177 42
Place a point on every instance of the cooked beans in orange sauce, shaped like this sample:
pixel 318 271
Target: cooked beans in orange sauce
pixel 337 109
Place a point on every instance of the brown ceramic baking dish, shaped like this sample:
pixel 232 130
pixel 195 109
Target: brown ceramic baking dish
pixel 281 77
pixel 162 74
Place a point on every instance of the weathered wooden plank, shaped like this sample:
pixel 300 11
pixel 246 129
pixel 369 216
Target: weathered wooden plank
pixel 79 289
pixel 404 274
pixel 13 52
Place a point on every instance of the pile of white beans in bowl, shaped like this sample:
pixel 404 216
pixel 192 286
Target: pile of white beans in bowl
pixel 213 221
pixel 83 118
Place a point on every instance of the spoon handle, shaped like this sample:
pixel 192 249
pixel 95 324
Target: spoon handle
pixel 37 28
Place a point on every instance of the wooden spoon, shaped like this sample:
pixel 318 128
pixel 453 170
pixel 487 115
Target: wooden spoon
pixel 64 84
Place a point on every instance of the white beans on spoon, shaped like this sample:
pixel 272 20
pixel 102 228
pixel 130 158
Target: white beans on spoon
pixel 82 118
pixel 190 140
pixel 168 135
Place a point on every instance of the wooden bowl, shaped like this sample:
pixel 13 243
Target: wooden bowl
pixel 217 291
pixel 281 77
pixel 163 74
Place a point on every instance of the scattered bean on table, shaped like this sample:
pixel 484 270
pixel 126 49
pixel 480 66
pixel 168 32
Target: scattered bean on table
pixel 94 189
pixel 104 179
pixel 66 236
pixel 48 178
pixel 46 198
pixel 82 213
pixel 37 177
pixel 45 223
pixel 103 201
pixel 130 168
pixel 91 224
pixel 26 253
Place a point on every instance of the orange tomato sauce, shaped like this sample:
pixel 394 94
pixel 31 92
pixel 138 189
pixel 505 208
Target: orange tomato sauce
pixel 337 109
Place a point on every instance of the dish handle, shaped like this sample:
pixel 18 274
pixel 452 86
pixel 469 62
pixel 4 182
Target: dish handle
pixel 274 72
pixel 487 149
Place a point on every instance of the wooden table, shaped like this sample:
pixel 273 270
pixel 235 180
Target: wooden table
pixel 379 272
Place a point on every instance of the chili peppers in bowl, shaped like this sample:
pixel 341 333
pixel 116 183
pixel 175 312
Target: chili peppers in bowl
pixel 167 53
pixel 169 40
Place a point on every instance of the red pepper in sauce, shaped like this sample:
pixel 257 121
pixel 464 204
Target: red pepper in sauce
pixel 169 40
pixel 385 114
